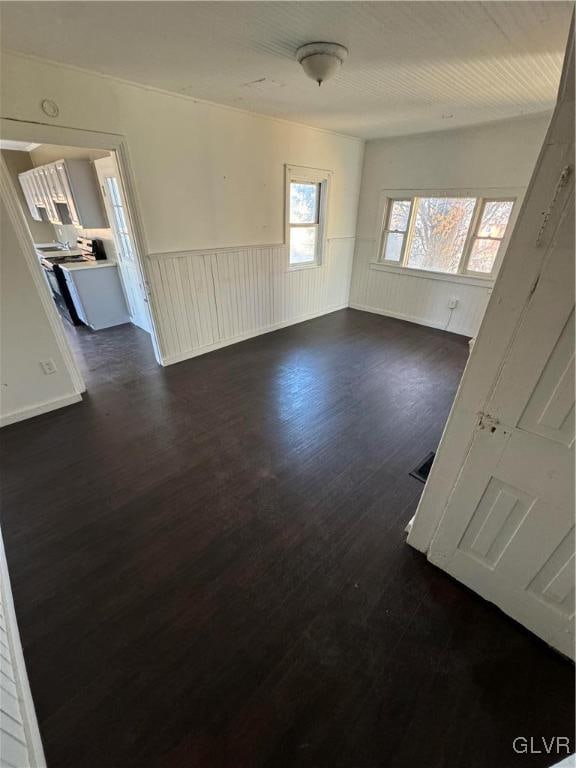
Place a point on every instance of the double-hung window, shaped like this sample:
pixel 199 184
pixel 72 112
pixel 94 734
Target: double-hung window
pixel 306 207
pixel 489 234
pixel 451 234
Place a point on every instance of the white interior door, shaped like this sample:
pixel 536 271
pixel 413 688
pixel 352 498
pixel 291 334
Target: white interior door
pixel 508 529
pixel 114 201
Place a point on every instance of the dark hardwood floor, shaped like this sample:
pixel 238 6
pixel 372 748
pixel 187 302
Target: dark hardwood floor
pixel 210 571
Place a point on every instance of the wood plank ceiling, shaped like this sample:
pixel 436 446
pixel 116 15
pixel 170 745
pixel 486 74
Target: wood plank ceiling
pixel 413 66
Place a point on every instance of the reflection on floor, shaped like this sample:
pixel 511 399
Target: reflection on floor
pixel 210 570
pixel 116 354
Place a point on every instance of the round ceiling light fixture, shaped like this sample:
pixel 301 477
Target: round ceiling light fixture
pixel 321 61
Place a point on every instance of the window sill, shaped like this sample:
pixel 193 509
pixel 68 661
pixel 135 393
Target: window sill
pixel 481 282
pixel 296 267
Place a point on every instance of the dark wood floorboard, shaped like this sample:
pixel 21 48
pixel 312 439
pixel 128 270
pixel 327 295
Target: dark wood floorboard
pixel 210 571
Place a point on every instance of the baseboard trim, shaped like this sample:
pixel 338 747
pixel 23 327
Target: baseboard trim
pixel 39 409
pixel 409 318
pixel 171 359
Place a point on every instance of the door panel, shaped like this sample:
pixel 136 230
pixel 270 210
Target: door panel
pixel 115 204
pixel 550 409
pixel 508 529
pixel 512 540
pixel 547 316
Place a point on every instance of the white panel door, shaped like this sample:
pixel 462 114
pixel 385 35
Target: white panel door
pixel 116 210
pixel 508 529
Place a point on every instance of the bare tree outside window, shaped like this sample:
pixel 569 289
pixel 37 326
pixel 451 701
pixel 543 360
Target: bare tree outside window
pixel 445 234
pixel 491 231
pixel 440 229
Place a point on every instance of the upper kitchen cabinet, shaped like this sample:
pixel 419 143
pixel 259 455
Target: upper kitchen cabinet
pixel 29 189
pixel 64 192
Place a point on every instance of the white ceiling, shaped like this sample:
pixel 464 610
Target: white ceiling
pixel 413 66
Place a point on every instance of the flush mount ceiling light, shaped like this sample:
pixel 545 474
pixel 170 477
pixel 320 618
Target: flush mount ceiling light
pixel 321 61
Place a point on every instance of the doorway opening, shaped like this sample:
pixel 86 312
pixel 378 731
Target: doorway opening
pixel 75 205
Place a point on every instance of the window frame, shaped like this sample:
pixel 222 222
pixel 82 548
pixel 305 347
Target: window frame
pixel 295 174
pixel 473 236
pixel 482 196
pixel 387 231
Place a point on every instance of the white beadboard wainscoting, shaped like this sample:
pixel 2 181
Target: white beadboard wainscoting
pixel 20 744
pixel 208 299
pixel 413 296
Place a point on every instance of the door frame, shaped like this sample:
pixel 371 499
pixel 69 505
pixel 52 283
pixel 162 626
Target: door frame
pixel 42 133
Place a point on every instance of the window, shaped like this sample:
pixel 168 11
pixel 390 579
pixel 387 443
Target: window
pixel 306 194
pixel 124 241
pixel 456 235
pixel 304 221
pixel 489 235
pixel 396 226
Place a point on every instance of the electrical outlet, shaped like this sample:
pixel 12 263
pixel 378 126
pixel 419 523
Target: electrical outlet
pixel 48 366
pixel 452 302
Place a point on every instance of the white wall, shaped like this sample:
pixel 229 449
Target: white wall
pixel 26 338
pixel 207 178
pixel 498 155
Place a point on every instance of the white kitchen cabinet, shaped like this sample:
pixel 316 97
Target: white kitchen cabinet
pixel 97 294
pixel 42 181
pixel 83 193
pixel 36 191
pixel 56 188
pixel 67 190
pixel 30 196
pixel 62 174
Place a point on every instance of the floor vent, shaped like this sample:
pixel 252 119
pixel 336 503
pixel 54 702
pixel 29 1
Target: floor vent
pixel 422 471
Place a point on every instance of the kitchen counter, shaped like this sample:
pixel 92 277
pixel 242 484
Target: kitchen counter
pixel 71 267
pixel 60 252
pixel 96 292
